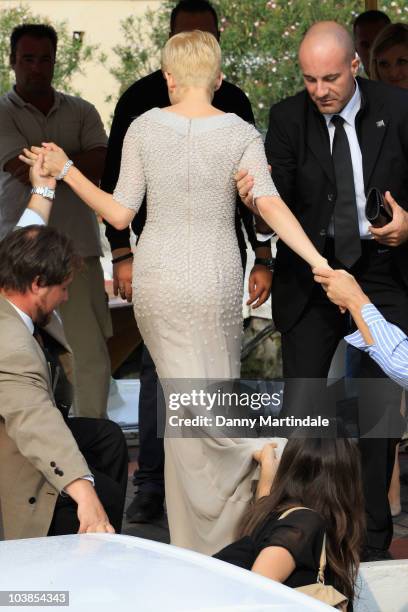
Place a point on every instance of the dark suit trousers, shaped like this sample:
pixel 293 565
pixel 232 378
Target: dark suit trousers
pixel 307 351
pixel 149 478
pixel 104 447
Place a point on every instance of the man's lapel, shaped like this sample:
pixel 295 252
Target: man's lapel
pixel 10 311
pixel 317 138
pixel 372 130
pixel 56 330
pixel 371 124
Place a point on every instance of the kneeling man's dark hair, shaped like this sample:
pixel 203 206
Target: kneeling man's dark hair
pixel 36 252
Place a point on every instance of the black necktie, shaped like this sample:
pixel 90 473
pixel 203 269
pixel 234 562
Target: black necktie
pixel 59 382
pixel 347 243
pixel 38 336
pixel 41 339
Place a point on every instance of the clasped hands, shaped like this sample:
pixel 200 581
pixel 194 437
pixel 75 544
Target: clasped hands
pixel 341 287
pixel 45 161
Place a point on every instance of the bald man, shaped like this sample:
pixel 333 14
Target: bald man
pixel 328 145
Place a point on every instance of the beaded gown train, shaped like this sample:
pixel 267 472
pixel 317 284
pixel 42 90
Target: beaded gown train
pixel 187 292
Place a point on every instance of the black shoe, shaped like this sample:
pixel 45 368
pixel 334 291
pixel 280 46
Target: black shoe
pixel 375 554
pixel 145 508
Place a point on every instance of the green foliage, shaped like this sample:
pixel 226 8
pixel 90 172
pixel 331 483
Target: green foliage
pixel 260 43
pixel 259 39
pixel 138 55
pixel 72 54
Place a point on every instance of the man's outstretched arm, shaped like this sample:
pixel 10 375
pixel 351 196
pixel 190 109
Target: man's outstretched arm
pixel 38 429
pixel 386 343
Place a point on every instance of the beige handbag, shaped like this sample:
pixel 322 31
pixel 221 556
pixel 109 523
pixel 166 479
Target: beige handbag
pixel 319 590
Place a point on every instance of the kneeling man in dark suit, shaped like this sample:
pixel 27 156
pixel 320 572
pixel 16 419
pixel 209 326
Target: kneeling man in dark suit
pixel 58 475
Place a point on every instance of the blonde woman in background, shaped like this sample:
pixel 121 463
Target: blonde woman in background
pixel 389 56
pixel 187 283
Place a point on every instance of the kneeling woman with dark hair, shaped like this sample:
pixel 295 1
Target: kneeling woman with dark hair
pixel 314 490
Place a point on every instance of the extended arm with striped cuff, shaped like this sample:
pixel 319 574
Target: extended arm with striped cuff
pixel 390 348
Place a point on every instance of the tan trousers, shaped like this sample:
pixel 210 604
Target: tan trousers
pixel 87 326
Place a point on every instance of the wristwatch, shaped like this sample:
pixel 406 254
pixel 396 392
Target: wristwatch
pixel 268 262
pixel 45 192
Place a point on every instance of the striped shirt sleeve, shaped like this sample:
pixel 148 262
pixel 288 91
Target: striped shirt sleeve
pixel 390 348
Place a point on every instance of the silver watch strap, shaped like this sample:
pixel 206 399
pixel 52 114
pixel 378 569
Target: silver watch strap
pixel 65 169
pixel 45 192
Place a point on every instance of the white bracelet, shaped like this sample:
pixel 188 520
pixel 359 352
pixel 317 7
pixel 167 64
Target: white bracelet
pixel 64 171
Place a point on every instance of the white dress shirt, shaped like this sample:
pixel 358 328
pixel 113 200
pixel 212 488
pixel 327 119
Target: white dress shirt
pixel 348 113
pixel 30 217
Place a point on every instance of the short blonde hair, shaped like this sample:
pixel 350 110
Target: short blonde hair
pixel 193 58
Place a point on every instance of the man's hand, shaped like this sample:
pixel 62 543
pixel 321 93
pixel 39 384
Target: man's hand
pixel 54 158
pixel 262 227
pixel 259 286
pixel 91 514
pixel 341 288
pixel 396 231
pixel 245 184
pixel 122 274
pixel 93 518
pixel 37 177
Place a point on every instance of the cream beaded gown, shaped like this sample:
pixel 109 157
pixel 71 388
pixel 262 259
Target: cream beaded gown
pixel 187 292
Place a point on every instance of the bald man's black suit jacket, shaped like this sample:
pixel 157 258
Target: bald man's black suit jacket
pixel 298 148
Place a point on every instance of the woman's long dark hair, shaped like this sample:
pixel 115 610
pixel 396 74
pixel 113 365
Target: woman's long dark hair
pixel 323 475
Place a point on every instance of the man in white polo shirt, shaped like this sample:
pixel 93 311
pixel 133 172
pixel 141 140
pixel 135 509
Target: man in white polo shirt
pixel 33 112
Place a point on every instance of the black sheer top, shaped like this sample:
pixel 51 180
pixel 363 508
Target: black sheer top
pixel 300 533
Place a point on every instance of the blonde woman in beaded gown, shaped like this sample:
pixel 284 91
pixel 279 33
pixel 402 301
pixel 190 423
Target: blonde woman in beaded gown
pixel 187 283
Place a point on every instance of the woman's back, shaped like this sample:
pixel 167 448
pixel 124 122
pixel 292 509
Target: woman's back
pixel 188 167
pixel 187 259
